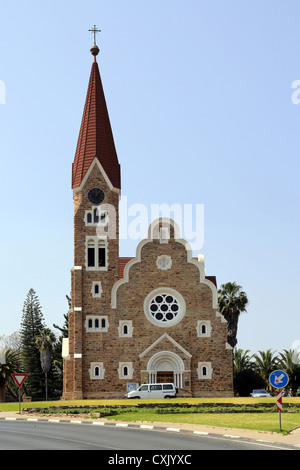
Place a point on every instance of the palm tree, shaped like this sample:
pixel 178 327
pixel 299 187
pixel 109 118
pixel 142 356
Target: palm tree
pixel 232 301
pixel 242 360
pixel 44 344
pixel 265 363
pixel 245 378
pixel 10 366
pixel 292 368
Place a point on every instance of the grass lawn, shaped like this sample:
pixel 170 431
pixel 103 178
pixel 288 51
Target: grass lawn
pixel 265 421
pixel 255 421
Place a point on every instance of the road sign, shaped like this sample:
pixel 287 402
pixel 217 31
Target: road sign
pixel 279 400
pixel 279 379
pixel 19 379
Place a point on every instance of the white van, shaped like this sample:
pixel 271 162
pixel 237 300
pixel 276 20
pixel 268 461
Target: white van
pixel 153 391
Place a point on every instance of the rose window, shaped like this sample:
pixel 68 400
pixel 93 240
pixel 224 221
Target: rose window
pixel 164 308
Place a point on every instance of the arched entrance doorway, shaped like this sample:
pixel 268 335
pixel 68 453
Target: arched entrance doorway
pixel 166 366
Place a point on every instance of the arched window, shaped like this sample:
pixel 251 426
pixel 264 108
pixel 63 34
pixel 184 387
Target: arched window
pixel 96 253
pixel 203 328
pixel 125 328
pixel 96 371
pixel 204 370
pixel 125 370
pixel 89 218
pixel 96 323
pixel 90 323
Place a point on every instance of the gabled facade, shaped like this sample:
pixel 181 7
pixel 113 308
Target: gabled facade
pixel 152 318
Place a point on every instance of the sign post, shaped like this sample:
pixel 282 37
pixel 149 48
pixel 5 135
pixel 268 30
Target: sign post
pixel 19 379
pixel 279 379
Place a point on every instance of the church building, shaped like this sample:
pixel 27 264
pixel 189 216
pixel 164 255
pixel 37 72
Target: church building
pixel 149 319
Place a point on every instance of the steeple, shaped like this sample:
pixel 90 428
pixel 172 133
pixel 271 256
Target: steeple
pixel 95 136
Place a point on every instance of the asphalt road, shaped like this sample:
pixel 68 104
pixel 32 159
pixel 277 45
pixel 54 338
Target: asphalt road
pixel 24 435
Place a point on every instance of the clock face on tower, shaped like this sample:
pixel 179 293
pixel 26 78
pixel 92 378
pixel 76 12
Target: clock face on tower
pixel 96 196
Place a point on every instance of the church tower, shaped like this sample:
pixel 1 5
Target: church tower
pixel 96 192
pixel 151 319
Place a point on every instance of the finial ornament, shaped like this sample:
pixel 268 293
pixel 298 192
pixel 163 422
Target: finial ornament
pixel 95 49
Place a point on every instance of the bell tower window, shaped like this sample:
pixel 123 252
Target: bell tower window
pixel 95 216
pixel 96 255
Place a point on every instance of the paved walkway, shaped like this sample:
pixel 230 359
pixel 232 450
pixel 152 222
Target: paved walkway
pixel 291 439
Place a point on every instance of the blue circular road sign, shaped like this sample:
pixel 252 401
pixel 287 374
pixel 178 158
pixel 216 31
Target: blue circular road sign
pixel 279 379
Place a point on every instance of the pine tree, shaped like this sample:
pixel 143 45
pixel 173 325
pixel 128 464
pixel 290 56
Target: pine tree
pixel 32 325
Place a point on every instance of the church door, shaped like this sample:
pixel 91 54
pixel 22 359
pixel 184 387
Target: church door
pixel 165 376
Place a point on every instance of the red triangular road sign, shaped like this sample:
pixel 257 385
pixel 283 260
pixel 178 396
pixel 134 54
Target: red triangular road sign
pixel 19 379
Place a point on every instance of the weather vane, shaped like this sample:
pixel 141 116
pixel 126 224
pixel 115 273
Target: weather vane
pixel 95 31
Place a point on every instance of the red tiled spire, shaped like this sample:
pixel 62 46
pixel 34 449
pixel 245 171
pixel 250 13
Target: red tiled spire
pixel 95 136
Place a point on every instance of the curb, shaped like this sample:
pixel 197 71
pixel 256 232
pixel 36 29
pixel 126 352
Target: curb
pixel 148 427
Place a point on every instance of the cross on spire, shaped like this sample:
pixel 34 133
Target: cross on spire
pixel 95 31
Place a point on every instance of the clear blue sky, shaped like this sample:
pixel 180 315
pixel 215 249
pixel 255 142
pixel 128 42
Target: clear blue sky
pixel 199 95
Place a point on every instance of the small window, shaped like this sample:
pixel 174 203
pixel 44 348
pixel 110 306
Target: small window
pixel 204 370
pixel 96 290
pixel 96 323
pixel 144 388
pixel 96 371
pixel 125 328
pixel 203 328
pixel 125 370
pixel 103 323
pixel 90 323
pixel 89 218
